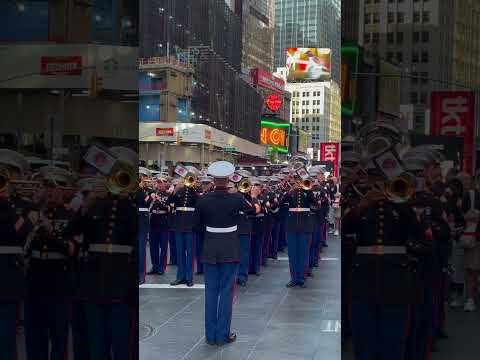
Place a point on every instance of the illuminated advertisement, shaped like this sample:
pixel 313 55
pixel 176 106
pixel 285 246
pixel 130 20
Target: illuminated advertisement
pixel 267 80
pixel 309 64
pixel 274 102
pixel 275 135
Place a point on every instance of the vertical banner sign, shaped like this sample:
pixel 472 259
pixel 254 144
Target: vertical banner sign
pixel 330 152
pixel 453 114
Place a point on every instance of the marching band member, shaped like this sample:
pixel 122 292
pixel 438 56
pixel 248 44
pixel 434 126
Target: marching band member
pixel 106 234
pixel 143 202
pixel 206 187
pixel 258 231
pixel 300 200
pixel 159 210
pixel 219 211
pixel 275 217
pixel 17 219
pixel 185 220
pixel 49 273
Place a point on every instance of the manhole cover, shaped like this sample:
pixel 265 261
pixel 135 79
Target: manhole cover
pixel 145 331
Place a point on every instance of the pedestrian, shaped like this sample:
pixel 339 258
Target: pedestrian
pixel 219 212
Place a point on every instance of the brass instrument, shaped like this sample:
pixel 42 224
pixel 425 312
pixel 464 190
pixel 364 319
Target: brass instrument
pixel 306 184
pixel 400 189
pixel 123 179
pixel 190 180
pixel 245 186
pixel 26 188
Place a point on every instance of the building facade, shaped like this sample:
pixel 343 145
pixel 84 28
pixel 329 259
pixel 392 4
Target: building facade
pixel 417 36
pixel 258 21
pixel 308 23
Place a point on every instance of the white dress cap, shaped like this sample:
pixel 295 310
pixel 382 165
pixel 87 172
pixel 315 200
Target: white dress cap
pixel 221 169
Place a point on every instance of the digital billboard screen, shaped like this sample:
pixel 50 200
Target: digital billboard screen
pixel 275 135
pixel 309 64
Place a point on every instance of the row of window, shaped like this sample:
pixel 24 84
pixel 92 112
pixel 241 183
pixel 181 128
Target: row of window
pixel 307 120
pixel 425 37
pixel 305 111
pixel 306 102
pixel 417 57
pixel 418 17
pixel 306 93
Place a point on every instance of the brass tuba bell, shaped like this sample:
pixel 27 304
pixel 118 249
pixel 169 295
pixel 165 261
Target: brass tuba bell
pixel 400 189
pixel 245 186
pixel 190 180
pixel 123 179
pixel 306 184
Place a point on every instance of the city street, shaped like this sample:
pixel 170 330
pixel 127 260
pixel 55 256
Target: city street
pixel 271 321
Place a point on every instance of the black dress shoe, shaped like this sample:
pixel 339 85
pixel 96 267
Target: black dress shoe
pixel 310 275
pixel 177 282
pixel 141 282
pixel 258 273
pixel 291 284
pixel 161 272
pixel 231 338
pixel 210 343
pixel 242 283
pixel 151 272
pixel 302 285
pixel 190 283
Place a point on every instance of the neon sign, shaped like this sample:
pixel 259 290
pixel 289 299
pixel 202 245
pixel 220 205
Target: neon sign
pixel 275 135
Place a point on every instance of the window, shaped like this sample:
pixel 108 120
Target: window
pixel 413 97
pixel 424 77
pixel 308 93
pixel 367 18
pixel 366 38
pixel 307 102
pixel 400 17
pixel 416 17
pixel 376 18
pixel 424 56
pixel 415 57
pixel 414 78
pixel 391 17
pixel 376 37
pixel 399 57
pixel 425 36
pixel 389 56
pixel 399 37
pixel 390 37
pixel 423 98
pixel 415 36
pixel 426 16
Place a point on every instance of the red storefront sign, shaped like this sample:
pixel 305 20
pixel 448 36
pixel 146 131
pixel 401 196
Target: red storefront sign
pixel 274 102
pixel 164 131
pixel 61 65
pixel 267 80
pixel 453 114
pixel 330 152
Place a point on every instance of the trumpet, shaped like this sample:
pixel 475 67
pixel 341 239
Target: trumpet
pixel 400 189
pixel 245 186
pixel 124 179
pixel 190 180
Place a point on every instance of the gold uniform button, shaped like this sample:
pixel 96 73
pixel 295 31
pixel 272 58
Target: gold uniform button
pixel 114 208
pixel 107 239
pixel 112 216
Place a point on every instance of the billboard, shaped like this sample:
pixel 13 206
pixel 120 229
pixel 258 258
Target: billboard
pixel 275 135
pixel 267 80
pixel 331 152
pixel 309 64
pixel 453 114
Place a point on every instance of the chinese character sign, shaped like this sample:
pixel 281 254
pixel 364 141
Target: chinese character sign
pixel 330 152
pixel 453 114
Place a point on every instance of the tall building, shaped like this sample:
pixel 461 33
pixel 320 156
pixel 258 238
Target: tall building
pixel 308 23
pixel 350 21
pixel 418 37
pixel 311 109
pixel 257 38
pixel 199 41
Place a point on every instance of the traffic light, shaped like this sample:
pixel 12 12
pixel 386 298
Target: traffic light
pixel 96 85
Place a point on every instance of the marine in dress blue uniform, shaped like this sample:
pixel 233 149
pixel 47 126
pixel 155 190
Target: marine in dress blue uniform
pixel 49 272
pixel 106 235
pixel 17 219
pixel 219 212
pixel 184 223
pixel 159 210
pixel 143 202
pixel 206 187
pixel 258 231
pixel 299 231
